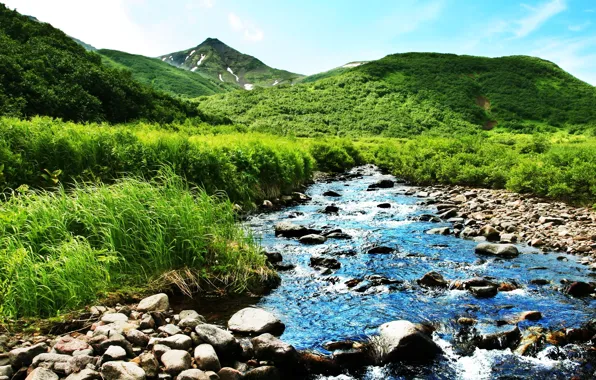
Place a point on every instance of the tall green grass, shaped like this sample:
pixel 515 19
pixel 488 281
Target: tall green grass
pixel 60 250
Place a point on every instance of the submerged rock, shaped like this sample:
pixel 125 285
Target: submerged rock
pixel 253 320
pixel 381 250
pixel 433 280
pixel 500 340
pixel 382 184
pixel 325 262
pixel 291 230
pixel 331 193
pixel 439 231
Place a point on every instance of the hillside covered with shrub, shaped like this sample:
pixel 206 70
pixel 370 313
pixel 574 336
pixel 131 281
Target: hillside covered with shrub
pixel 45 72
pixel 406 94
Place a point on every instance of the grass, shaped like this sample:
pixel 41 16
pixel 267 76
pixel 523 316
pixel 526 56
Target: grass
pixel 61 250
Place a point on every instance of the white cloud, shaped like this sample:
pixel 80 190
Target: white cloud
pixel 574 55
pixel 249 30
pixel 538 16
pixel 205 4
pixel 579 27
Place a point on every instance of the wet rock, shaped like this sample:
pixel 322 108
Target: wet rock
pixel 384 205
pixel 468 232
pixel 500 250
pixel 433 280
pixel 539 281
pixel 313 239
pixel 466 321
pixel 338 235
pixel 500 340
pixel 228 373
pixel 381 250
pixel 113 353
pixel 157 302
pixel 448 214
pixel 222 341
pixel 490 233
pixel 67 345
pixel 531 342
pixel 530 316
pixel 483 291
pixel 42 374
pixel 382 184
pixel 22 357
pixel 404 341
pixel 507 287
pixel 290 230
pixel 267 204
pixel 253 320
pixel 579 289
pixel 429 218
pixel 439 231
pixel 176 361
pixel 284 267
pixel 263 373
pixel 268 347
pixel 315 363
pixel 331 193
pixel 325 262
pixel 122 371
pixel 206 358
pixel 331 209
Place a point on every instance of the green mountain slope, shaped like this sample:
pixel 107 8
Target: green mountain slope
pixel 406 94
pixel 45 72
pixel 162 76
pixel 222 63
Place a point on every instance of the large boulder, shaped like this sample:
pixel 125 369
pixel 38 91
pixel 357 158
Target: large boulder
pixel 404 341
pixel 252 320
pixel 579 289
pixel 268 347
pixel 382 184
pixel 122 371
pixel 157 302
pixel 291 230
pixel 222 341
pixel 501 250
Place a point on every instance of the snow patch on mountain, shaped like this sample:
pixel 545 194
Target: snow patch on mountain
pixel 220 78
pixel 275 83
pixel 231 72
pixel 353 64
pixel 249 86
pixel 194 69
pixel 201 60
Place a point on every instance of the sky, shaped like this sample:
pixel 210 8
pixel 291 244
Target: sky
pixel 311 36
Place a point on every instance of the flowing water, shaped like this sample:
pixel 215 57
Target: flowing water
pixel 318 307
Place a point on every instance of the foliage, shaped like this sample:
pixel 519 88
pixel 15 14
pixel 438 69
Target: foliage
pixel 45 72
pixel 164 77
pixel 61 250
pixel 405 95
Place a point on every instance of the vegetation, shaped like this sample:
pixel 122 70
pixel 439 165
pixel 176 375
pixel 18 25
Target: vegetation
pixel 61 250
pixel 164 77
pixel 404 95
pixel 218 57
pixel 44 72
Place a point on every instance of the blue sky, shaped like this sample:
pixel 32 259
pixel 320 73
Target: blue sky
pixel 310 36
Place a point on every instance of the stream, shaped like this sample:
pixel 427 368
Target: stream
pixel 317 306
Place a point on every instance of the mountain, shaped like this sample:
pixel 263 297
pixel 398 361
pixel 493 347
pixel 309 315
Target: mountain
pixel 406 94
pixel 45 72
pixel 160 75
pixel 220 62
pixel 83 44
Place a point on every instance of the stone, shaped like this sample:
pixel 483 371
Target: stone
pixel 113 353
pixel 176 361
pixel 147 322
pixel 331 193
pixel 267 204
pixel 553 221
pixel 114 317
pixel 439 231
pixel 500 250
pixel 86 374
pixel 192 374
pixel 6 370
pixel 80 362
pixel 382 184
pixel 291 230
pixel 530 316
pixel 325 262
pixel 206 358
pixel 468 232
pixel 170 329
pixel 313 239
pixel 157 302
pixel 122 371
pixel 466 321
pixel 42 374
pixel 268 347
pixel 56 362
pixel 22 357
pixel 148 362
pixel 228 373
pixel 191 323
pixel 331 209
pixel 67 345
pixel 338 235
pixel 222 341
pixel 579 289
pixel 257 321
pixel 315 363
pixel 175 342
pixel 404 341
pixel 137 338
pixel 488 291
pixel 500 340
pixel 381 250
pixel 433 280
pixel 273 258
pixel 263 373
pixel 384 205
pixel 490 233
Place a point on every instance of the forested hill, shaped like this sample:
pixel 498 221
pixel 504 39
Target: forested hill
pixel 165 77
pixel 45 72
pixel 406 94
